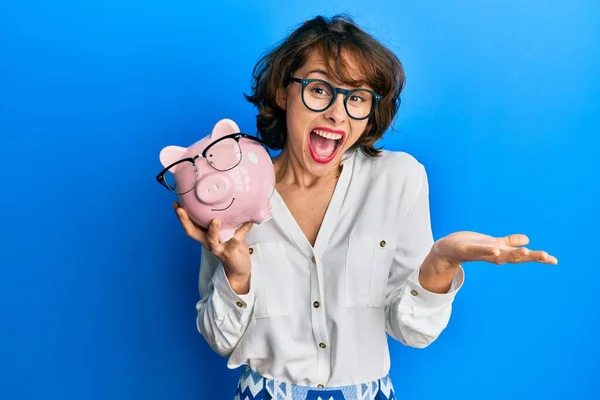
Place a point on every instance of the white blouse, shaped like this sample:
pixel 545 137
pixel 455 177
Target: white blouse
pixel 320 315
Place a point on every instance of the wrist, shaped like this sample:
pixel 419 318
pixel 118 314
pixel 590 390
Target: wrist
pixel 437 272
pixel 240 283
pixel 440 265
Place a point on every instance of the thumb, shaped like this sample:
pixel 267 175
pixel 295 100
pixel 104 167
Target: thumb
pixel 514 240
pixel 243 230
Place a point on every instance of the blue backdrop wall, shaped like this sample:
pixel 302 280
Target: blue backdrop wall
pixel 98 283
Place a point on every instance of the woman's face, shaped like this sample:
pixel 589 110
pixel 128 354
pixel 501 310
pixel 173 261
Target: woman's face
pixel 317 140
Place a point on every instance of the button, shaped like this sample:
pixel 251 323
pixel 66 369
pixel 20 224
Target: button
pixel 251 250
pixel 414 292
pixel 322 345
pixel 313 259
pixel 320 386
pixel 382 243
pixel 316 304
pixel 239 304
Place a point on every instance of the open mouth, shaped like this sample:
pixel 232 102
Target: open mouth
pixel 324 144
pixel 223 209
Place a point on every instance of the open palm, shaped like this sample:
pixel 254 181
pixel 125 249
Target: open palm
pixel 467 246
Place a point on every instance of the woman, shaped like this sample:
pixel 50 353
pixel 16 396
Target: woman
pixel 305 300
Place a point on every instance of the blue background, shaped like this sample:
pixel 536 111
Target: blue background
pixel 98 282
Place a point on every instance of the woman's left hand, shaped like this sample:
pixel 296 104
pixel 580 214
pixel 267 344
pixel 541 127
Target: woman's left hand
pixel 460 247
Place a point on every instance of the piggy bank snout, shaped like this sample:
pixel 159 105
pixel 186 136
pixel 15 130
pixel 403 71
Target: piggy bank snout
pixel 213 188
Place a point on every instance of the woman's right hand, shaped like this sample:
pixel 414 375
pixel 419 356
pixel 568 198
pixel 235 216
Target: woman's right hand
pixel 234 253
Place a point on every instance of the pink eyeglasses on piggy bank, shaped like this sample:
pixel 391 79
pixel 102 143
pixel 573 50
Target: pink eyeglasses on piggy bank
pixel 227 175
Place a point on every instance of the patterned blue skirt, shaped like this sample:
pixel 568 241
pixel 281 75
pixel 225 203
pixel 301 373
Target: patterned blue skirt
pixel 252 386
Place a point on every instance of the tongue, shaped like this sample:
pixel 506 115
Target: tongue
pixel 323 147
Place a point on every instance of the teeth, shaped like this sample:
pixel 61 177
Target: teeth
pixel 328 135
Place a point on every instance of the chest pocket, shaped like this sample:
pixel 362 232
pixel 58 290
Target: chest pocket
pixel 367 266
pixel 272 280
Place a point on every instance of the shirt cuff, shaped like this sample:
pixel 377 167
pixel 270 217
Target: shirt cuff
pixel 225 299
pixel 424 298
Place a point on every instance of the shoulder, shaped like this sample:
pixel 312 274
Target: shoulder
pixel 389 186
pixel 395 166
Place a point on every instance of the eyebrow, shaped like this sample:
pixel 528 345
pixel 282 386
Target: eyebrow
pixel 363 84
pixel 319 71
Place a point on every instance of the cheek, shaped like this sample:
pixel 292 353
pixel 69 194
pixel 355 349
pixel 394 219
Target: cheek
pixel 297 119
pixel 358 129
pixel 295 109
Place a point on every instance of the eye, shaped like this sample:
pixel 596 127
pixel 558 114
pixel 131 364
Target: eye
pixel 319 89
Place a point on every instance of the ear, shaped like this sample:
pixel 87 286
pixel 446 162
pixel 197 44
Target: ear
pixel 171 154
pixel 280 98
pixel 224 127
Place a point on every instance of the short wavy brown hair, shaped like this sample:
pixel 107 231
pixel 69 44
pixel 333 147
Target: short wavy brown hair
pixel 379 68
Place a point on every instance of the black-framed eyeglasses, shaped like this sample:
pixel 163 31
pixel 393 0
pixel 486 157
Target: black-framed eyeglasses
pixel 223 154
pixel 318 95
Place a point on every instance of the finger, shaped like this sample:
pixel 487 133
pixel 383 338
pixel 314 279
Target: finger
pixel 522 255
pixel 509 255
pixel 543 257
pixel 212 235
pixel 189 227
pixel 517 255
pixel 179 211
pixel 514 240
pixel 186 223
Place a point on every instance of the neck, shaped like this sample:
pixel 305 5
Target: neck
pixel 290 172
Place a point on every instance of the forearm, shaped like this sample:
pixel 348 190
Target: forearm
pixel 240 284
pixel 224 314
pixel 420 308
pixel 221 332
pixel 416 316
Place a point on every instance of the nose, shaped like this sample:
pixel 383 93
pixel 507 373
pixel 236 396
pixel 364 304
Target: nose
pixel 336 112
pixel 214 188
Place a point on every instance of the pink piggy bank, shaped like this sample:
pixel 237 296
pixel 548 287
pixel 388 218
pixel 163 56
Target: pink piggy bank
pixel 227 175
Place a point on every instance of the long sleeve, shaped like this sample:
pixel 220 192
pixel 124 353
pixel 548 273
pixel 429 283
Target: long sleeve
pixel 415 316
pixel 223 315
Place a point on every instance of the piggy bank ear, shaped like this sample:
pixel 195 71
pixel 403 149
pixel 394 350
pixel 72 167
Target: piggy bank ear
pixel 171 154
pixel 224 127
